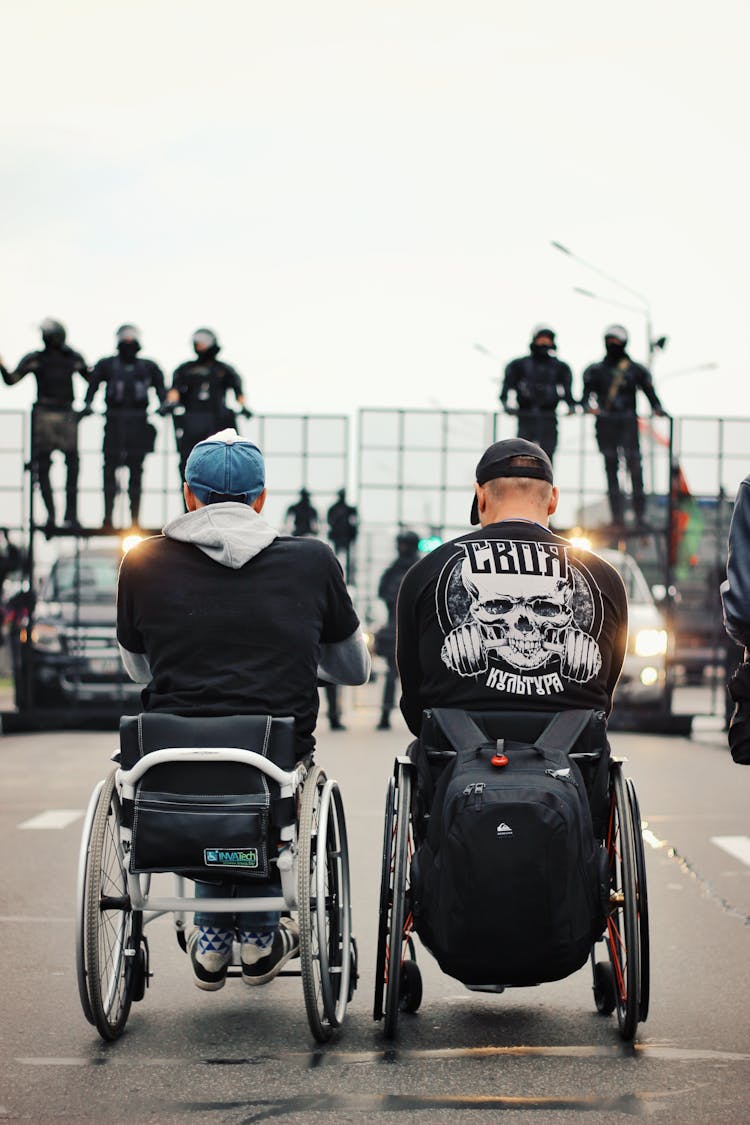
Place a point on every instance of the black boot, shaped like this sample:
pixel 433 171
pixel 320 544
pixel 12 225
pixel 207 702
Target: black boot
pixel 385 721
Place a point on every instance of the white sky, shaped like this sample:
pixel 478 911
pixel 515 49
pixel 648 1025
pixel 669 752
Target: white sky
pixel 353 194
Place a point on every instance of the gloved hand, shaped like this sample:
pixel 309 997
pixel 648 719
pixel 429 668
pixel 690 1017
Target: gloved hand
pixel 245 413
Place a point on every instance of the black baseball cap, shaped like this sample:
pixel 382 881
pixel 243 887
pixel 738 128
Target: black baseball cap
pixel 497 462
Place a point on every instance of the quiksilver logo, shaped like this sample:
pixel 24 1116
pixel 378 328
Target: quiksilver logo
pixel 504 829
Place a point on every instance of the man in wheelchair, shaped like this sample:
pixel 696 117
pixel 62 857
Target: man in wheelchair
pixel 512 841
pixel 221 615
pixel 510 616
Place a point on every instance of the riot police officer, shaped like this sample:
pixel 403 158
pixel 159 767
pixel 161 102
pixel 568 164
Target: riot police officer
pixel 201 386
pixel 539 381
pixel 614 382
pixel 128 435
pixel 407 547
pixel 54 423
pixel 302 518
pixel 343 525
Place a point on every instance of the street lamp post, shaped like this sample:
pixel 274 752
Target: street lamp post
pixel 644 308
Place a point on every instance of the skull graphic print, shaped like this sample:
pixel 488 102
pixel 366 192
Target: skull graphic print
pixel 524 616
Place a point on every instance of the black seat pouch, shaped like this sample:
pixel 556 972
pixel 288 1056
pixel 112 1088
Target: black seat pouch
pixel 212 819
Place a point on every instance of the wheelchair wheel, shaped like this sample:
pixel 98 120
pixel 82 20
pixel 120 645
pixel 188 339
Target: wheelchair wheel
pixel 622 935
pixel 112 938
pixel 410 988
pixel 83 858
pixel 605 994
pixel 396 919
pixel 642 891
pixel 386 868
pixel 327 957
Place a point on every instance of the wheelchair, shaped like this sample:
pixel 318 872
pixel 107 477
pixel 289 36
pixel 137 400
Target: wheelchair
pixel 621 977
pixel 220 799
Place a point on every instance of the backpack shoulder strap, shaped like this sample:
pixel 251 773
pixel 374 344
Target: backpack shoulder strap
pixel 563 730
pixel 460 729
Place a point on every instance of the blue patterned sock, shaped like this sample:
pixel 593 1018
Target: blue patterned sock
pixel 262 939
pixel 212 940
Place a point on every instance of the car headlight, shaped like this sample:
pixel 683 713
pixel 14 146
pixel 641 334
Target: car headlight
pixel 650 642
pixel 47 638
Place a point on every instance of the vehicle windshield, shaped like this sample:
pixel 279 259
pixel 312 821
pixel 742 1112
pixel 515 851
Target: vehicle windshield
pixel 90 579
pixel 636 586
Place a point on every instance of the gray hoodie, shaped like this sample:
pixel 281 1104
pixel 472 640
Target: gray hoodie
pixel 231 534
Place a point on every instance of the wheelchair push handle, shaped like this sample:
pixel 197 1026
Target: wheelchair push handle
pixel 208 754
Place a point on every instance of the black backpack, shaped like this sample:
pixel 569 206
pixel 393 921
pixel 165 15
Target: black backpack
pixel 510 885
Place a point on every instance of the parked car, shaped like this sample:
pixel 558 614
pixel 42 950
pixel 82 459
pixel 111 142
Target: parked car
pixel 63 640
pixel 643 680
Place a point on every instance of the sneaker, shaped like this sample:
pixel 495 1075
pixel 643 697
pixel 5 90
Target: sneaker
pixel 259 966
pixel 210 953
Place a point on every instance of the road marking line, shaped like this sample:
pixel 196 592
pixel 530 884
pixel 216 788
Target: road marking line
pixel 27 920
pixel 53 818
pixel 738 846
pixel 665 1052
pixel 652 840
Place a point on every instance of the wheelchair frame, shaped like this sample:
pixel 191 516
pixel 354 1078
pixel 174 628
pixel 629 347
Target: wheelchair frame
pixel 114 905
pixel 621 983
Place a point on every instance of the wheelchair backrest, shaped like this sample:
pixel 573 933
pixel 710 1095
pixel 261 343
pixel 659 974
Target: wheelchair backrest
pixel 184 811
pixel 268 735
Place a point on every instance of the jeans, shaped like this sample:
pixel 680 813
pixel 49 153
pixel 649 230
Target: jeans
pixel 258 920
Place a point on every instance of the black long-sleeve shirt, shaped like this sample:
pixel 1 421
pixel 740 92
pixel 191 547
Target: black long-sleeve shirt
pixel 127 381
pixel 53 369
pixel 615 383
pixel 539 383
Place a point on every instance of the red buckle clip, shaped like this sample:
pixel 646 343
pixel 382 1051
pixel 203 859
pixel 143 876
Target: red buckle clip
pixel 499 760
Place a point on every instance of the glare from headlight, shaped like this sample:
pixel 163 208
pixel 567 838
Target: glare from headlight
pixel 46 637
pixel 581 541
pixel 649 676
pixel 131 541
pixel 650 642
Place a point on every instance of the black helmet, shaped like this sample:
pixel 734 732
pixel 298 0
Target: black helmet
pixel 53 332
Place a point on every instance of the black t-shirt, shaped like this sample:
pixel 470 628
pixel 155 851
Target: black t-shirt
pixel 510 617
pixel 223 642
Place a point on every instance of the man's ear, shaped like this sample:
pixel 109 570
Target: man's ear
pixel 481 497
pixel 192 503
pixel 553 500
pixel 259 501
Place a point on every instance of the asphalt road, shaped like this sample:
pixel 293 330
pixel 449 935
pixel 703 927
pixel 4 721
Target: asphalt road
pixel 242 1055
